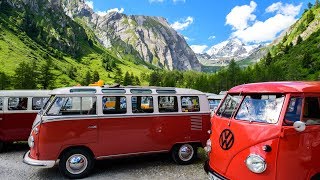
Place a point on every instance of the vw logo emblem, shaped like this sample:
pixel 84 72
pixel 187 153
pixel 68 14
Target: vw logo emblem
pixel 226 139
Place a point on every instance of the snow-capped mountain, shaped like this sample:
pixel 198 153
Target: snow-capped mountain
pixel 222 53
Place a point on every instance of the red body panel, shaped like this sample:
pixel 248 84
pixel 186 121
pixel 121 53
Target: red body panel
pixel 16 126
pixel 299 151
pixel 121 135
pixel 248 138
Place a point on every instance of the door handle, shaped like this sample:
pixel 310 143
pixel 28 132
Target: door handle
pixel 0 119
pixel 92 127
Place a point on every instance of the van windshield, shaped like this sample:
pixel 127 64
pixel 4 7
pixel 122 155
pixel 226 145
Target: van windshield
pixel 263 108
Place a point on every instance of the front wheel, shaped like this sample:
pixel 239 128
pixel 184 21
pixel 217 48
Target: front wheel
pixel 184 153
pixel 76 163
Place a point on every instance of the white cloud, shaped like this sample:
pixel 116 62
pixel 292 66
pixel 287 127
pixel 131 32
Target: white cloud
pixel 264 31
pixel 116 10
pixel 198 48
pixel 182 25
pixel 186 38
pixel 89 3
pixel 103 13
pixel 285 9
pixel 240 15
pixel 212 37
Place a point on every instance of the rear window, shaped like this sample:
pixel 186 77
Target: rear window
pixel 190 104
pixel 168 104
pixel 38 102
pixel 18 103
pixel 114 105
pixel 142 104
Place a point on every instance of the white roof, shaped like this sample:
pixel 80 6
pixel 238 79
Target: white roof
pixel 25 93
pixel 98 90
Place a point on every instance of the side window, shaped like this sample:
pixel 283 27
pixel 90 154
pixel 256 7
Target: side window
pixel 38 102
pixel 114 105
pixel 311 110
pixel 142 104
pixel 73 106
pixel 1 104
pixel 190 104
pixel 18 103
pixel 229 105
pixel 168 104
pixel 293 111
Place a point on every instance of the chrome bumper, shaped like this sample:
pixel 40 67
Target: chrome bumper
pixel 39 163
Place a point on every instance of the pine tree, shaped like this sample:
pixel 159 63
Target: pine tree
pixel 118 76
pixel 127 80
pixel 26 76
pixel 46 77
pixel 137 81
pixel 299 40
pixel 87 79
pixel 96 76
pixel 4 81
pixel 268 59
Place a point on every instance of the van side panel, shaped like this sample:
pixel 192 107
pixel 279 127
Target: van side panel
pixel 299 153
pixel 57 135
pixel 142 134
pixel 16 126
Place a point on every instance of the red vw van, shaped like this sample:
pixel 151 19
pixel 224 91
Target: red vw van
pixel 18 109
pixel 83 124
pixel 268 131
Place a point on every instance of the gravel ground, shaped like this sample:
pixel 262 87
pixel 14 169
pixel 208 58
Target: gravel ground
pixel 154 167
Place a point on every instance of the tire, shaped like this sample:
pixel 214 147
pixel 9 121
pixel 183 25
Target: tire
pixel 184 153
pixel 82 166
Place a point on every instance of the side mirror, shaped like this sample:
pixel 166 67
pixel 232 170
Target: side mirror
pixel 212 113
pixel 299 126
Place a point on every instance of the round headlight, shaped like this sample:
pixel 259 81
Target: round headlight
pixel 31 141
pixel 256 163
pixel 208 146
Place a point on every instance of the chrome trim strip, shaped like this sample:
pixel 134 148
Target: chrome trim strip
pixel 38 163
pixel 82 117
pixel 130 154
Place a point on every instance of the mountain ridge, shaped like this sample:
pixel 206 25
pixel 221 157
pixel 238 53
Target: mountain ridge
pixel 152 38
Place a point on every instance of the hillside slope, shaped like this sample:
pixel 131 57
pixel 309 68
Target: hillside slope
pixel 35 31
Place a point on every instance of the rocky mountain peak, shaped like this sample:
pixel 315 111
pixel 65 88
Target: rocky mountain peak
pixel 151 37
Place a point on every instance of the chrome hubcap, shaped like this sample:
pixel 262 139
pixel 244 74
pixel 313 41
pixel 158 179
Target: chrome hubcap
pixel 186 152
pixel 76 163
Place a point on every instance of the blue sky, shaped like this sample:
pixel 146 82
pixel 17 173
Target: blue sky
pixel 205 23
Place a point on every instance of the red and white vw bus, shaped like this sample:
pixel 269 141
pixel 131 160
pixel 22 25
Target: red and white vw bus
pixel 83 124
pixel 267 130
pixel 18 109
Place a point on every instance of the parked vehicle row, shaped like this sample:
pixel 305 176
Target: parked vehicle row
pixel 258 130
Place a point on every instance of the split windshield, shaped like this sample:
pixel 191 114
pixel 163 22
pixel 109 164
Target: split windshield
pixel 263 108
